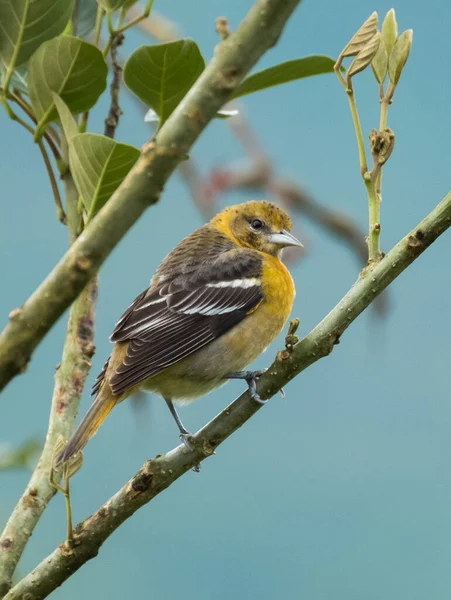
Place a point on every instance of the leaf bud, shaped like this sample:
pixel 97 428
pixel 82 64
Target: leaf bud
pixel 365 56
pixel 362 37
pixel 399 56
pixel 380 62
pixel 390 30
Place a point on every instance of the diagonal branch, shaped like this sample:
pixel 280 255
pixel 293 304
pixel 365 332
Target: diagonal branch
pixel 158 474
pixel 28 325
pixel 70 378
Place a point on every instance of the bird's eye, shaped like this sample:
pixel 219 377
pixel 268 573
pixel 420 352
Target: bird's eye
pixel 256 224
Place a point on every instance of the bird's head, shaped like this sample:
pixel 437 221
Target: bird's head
pixel 258 225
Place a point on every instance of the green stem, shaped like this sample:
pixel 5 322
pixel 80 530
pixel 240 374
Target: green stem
pixel 137 20
pixel 48 165
pixel 83 123
pixel 358 132
pixel 98 29
pixel 56 194
pixel 384 114
pixel 374 253
pixel 51 137
pixel 14 117
pixel 12 64
pixel 374 190
pixel 385 103
pixel 109 20
pixel 121 18
pixel 374 207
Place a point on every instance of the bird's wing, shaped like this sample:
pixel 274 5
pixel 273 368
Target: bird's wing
pixel 177 316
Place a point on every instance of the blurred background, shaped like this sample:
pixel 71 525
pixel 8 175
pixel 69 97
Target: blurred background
pixel 340 491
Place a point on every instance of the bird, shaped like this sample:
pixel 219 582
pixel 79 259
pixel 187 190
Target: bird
pixel 214 305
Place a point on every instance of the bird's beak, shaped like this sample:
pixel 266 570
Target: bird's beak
pixel 285 238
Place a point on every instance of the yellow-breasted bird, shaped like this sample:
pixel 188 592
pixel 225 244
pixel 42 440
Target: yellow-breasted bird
pixel 214 305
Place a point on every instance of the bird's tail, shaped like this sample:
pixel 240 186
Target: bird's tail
pixel 95 416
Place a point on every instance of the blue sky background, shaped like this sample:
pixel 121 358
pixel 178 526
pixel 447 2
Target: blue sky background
pixel 341 491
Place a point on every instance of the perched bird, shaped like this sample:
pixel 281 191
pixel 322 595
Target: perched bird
pixel 214 305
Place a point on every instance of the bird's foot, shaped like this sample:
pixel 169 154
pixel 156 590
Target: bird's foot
pixel 251 379
pixel 188 441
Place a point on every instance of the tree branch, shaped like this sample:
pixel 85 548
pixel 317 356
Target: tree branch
pixel 70 378
pixel 158 474
pixel 142 187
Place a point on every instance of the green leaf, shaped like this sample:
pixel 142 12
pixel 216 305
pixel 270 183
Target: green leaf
pixel 99 165
pixel 361 37
pixel 380 62
pixel 365 56
pixel 399 55
pixel 68 122
pixel 26 24
pixel 84 17
pixel 73 69
pixel 390 30
pixel 284 73
pixel 161 75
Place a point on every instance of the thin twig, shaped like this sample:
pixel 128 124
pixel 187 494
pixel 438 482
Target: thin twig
pixel 50 136
pixel 69 382
pixel 158 474
pixel 222 28
pixel 114 113
pixel 48 165
pixel 56 194
pixel 98 27
pixel 358 131
pixel 138 19
pixel 374 219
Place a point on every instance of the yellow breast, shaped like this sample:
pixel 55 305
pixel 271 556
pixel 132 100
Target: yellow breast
pixel 278 288
pixel 256 332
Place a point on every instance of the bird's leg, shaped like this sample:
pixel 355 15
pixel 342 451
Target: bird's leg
pixel 67 470
pixel 65 490
pixel 251 379
pixel 184 433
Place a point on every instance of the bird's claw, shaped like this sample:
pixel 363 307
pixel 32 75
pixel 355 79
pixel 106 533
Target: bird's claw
pixel 187 439
pixel 188 442
pixel 251 381
pixel 253 392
